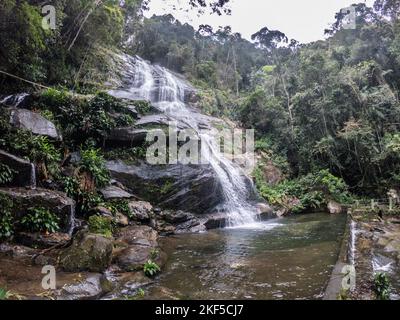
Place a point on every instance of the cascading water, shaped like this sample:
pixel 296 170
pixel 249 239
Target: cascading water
pixel 166 92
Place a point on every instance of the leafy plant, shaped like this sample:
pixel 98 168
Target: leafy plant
pixel 100 225
pixel 6 173
pixel 93 162
pixel 85 200
pixel 40 220
pixel 4 294
pixel 382 286
pixel 119 205
pixel 151 268
pixel 6 218
pixel 154 253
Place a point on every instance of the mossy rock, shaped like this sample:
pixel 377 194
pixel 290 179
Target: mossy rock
pixel 88 252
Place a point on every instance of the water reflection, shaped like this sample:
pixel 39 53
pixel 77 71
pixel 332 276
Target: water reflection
pixel 289 258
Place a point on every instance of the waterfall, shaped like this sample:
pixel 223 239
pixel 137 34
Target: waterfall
pixel 166 92
pixel 71 222
pixel 33 176
pixel 14 100
pixel 353 239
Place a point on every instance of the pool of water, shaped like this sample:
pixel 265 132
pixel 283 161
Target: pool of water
pixel 288 258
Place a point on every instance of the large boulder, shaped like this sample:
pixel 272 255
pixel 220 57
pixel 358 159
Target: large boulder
pixel 138 235
pixel 88 252
pixel 55 201
pixel 141 210
pixel 25 171
pixel 138 245
pixel 334 207
pixel 33 122
pixel 193 188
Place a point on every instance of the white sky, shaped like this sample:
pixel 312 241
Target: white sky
pixel 303 20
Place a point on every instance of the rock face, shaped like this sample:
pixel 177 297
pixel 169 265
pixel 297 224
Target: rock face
pixel 334 207
pixel 215 221
pixel 113 192
pixel 127 136
pixel 34 122
pixel 25 171
pixel 265 211
pixel 57 202
pixel 88 252
pixel 193 188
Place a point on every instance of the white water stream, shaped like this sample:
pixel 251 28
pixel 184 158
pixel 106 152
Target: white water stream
pixel 166 92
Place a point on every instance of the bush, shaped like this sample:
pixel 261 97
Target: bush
pixel 151 268
pixel 120 206
pixel 85 200
pixel 94 163
pixel 40 220
pixel 313 190
pixel 6 174
pixel 100 225
pixel 6 218
pixel 382 286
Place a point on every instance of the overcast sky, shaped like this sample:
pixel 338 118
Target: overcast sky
pixel 303 20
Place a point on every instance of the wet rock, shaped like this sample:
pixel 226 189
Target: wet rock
pixel 39 240
pixel 140 246
pixel 126 136
pixel 165 229
pixel 25 171
pixel 265 211
pixel 134 257
pixel 175 217
pixel 193 188
pixel 93 287
pixel 114 192
pixel 88 252
pixel 190 226
pixel 215 221
pixel 334 207
pixel 141 210
pixel 127 285
pixel 16 251
pixel 138 235
pixel 57 202
pixel 33 122
pixel 121 220
pixel 154 120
